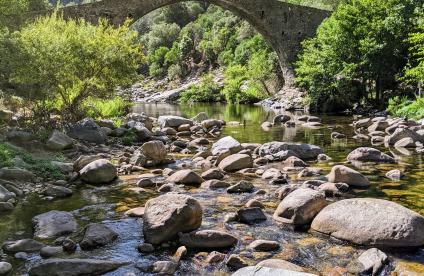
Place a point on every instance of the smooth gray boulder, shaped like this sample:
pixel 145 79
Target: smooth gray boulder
pixel 267 271
pixel 264 245
pixel 303 151
pixel 371 222
pixel 167 215
pixel 300 207
pixel 59 141
pixel 236 162
pixel 16 174
pixel 226 143
pixel 207 239
pixel 343 174
pixel 97 235
pixel 84 160
pixel 98 172
pixel 5 267
pixel 173 121
pixel 401 133
pixel 185 177
pixel 366 154
pixel 74 267
pixel 154 150
pixel 5 194
pixel 54 224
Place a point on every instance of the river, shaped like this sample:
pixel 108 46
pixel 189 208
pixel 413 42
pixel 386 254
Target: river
pixel 317 253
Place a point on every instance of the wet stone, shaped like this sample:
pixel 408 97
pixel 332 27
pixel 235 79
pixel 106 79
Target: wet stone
pixel 250 215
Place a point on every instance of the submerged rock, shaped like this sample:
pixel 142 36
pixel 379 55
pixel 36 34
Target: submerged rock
pixel 250 215
pixel 241 187
pixel 73 267
pixel 367 221
pixel 167 215
pixel 53 224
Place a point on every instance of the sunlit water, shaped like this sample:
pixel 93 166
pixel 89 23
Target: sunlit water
pixel 317 253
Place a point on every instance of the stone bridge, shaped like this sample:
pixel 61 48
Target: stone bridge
pixel 283 25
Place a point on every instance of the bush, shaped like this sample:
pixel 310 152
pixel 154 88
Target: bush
pixel 206 91
pixel 58 64
pixel 404 107
pixel 108 108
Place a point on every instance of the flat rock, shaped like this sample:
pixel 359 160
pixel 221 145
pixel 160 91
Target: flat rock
pixel 303 151
pixel 236 162
pixel 267 271
pixel 207 239
pixel 54 224
pixel 87 130
pixel 371 222
pixel 213 174
pixel 137 212
pixel 73 267
pixel 366 154
pixel 264 245
pixel 173 121
pixel 280 264
pixel 25 245
pixel 215 184
pixel 241 187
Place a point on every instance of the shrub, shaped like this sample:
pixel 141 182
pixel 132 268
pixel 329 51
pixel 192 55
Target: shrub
pixel 108 108
pixel 404 107
pixel 59 64
pixel 206 91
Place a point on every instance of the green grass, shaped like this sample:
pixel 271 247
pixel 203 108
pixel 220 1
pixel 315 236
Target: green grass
pixel 41 167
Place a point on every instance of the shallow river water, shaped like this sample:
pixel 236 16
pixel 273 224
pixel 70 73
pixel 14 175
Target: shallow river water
pixel 317 253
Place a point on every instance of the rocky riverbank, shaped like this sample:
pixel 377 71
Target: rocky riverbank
pixel 182 167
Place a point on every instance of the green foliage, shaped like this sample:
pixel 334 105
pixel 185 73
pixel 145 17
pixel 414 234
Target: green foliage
pixel 415 70
pixel 213 38
pixel 12 12
pixel 358 53
pixel 107 108
pixel 41 167
pixel 206 91
pixel 130 138
pixel 404 107
pixel 322 4
pixel 58 64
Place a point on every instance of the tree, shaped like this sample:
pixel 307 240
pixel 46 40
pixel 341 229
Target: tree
pixel 12 12
pixel 58 64
pixel 358 54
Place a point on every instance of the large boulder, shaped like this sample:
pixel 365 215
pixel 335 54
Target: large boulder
pixel 227 143
pixel 207 239
pixel 349 176
pixel 73 267
pixel 54 224
pixel 16 174
pixel 59 141
pixel 303 151
pixel 401 133
pixel 5 194
pixel 84 160
pixel 366 154
pixel 167 215
pixel 186 177
pixel 97 235
pixel 98 172
pixel 87 130
pixel 236 162
pixel 300 207
pixel 173 121
pixel 368 221
pixel 154 150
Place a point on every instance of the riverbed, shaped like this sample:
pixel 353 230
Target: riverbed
pixel 317 253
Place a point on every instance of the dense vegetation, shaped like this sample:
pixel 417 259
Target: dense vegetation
pixel 360 54
pixel 192 38
pixel 61 67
